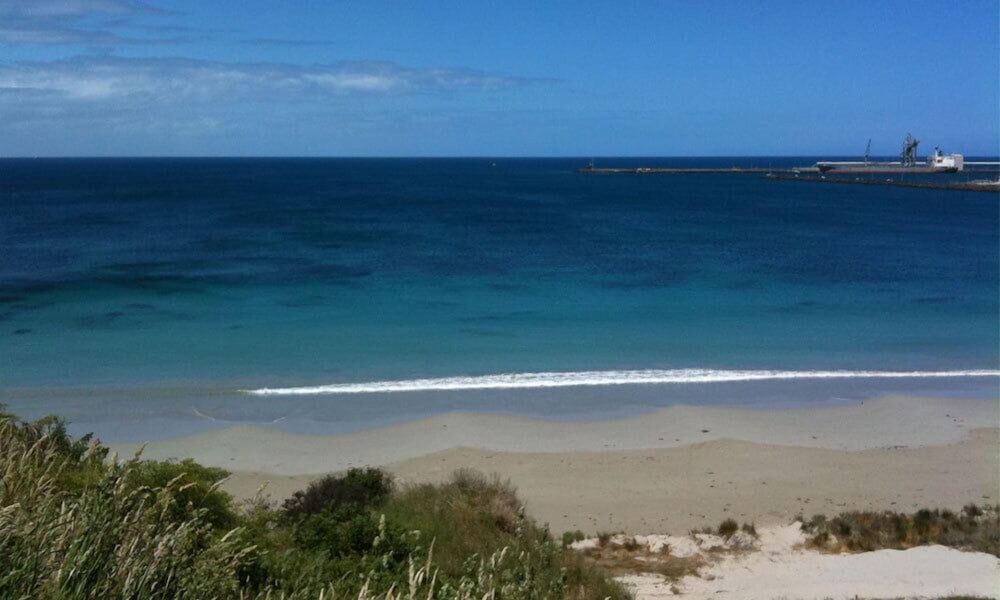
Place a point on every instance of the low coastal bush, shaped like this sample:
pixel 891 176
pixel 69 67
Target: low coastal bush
pixel 74 525
pixel 355 490
pixel 728 527
pixel 197 489
pixel 569 537
pixel 974 528
pixel 335 515
pixel 472 515
pixel 630 544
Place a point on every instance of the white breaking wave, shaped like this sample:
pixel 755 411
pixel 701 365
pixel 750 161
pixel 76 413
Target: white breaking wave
pixel 506 381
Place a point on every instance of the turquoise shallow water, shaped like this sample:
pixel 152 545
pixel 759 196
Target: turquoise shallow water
pixel 158 287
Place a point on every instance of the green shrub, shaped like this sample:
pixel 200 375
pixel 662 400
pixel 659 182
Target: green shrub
pixel 360 488
pixel 498 494
pixel 346 533
pixel 196 490
pixel 152 531
pixel 472 515
pixel 469 515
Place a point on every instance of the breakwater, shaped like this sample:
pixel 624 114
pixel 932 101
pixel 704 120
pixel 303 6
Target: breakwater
pixel 665 170
pixel 965 186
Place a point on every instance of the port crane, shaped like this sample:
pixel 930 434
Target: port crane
pixel 908 157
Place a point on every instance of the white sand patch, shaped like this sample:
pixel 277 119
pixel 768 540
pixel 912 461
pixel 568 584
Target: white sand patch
pixel 682 547
pixel 679 546
pixel 924 572
pixel 656 543
pixel 586 544
pixel 776 565
pixel 741 540
pixel 781 540
pixel 647 587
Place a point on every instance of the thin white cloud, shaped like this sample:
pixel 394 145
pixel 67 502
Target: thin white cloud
pixel 186 80
pixel 52 35
pixel 49 9
pixel 60 22
pixel 290 42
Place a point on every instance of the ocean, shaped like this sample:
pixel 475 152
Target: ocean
pixel 142 298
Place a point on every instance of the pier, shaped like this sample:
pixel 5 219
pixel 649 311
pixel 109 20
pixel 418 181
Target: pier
pixel 668 170
pixel 964 186
pixel 979 167
pixel 813 174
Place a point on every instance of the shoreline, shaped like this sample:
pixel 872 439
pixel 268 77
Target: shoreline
pixel 885 422
pixel 129 415
pixel 669 471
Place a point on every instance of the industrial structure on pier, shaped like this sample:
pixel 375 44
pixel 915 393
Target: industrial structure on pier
pixel 907 163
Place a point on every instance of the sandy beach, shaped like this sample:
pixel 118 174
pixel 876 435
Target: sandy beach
pixel 780 563
pixel 668 471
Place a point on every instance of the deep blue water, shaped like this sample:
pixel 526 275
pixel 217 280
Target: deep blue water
pixel 182 280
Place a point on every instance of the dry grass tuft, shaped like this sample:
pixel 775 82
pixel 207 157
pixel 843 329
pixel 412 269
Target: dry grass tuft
pixel 974 528
pixel 727 528
pixel 622 560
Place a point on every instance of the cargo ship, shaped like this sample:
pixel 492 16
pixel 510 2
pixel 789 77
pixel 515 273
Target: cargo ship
pixel 907 163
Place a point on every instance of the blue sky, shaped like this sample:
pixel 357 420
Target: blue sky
pixel 256 77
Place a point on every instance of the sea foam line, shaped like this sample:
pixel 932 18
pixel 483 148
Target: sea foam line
pixel 506 381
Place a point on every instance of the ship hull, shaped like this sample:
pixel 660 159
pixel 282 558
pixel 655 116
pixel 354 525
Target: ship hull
pixel 888 169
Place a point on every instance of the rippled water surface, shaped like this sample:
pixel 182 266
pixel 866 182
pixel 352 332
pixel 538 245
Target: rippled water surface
pixel 181 280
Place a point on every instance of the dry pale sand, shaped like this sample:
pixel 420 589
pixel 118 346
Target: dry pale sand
pixel 923 572
pixel 677 489
pixel 668 471
pixel 779 565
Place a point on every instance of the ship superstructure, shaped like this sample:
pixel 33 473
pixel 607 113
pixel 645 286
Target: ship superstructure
pixel 907 163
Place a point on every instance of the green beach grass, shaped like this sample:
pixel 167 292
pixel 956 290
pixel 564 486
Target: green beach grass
pixel 76 523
